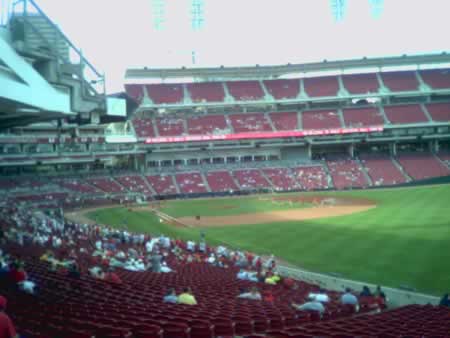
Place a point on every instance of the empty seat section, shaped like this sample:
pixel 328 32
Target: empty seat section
pixel 436 78
pixel 400 81
pixel 346 173
pixel 311 177
pixel 422 166
pixel 206 91
pixel 321 86
pixel 281 178
pixel 362 117
pixel 283 88
pixel 207 125
pixel 135 91
pixel 165 93
pixel 245 90
pixel 221 181
pixel 361 83
pixel 170 126
pixel 381 169
pixel 250 179
pixel 107 185
pixel 162 184
pixel 190 183
pixel 439 112
pixel 410 113
pixel 249 122
pixel 321 119
pixel 134 183
pixel 143 127
pixel 284 120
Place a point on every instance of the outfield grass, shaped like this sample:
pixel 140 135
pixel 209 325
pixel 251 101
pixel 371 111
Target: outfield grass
pixel 404 241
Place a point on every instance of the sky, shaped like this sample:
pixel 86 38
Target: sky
pixel 118 34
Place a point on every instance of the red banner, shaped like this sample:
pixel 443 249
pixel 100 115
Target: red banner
pixel 263 135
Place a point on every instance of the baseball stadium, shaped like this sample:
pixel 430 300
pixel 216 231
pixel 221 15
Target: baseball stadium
pixel 186 191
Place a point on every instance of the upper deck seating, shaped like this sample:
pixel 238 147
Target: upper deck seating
pixel 361 83
pixel 206 91
pixel 190 183
pixel 436 78
pixel 221 181
pixel 283 179
pixel 170 126
pixel 206 124
pixel 135 91
pixel 311 177
pixel 321 119
pixel 245 90
pixel 321 86
pixel 439 112
pixel 283 88
pixel 165 93
pixel 284 120
pixel 404 114
pixel 249 122
pixel 362 117
pixel 381 169
pixel 402 81
pixel 143 127
pixel 250 179
pixel 422 165
pixel 162 184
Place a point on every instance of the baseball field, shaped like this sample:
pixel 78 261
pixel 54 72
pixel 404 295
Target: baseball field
pixel 395 237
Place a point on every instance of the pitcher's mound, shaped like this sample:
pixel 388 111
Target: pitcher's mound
pixel 323 206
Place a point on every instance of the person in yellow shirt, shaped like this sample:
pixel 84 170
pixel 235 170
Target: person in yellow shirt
pixel 187 297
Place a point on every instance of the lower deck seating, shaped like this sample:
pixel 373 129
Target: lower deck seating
pixel 221 181
pixel 422 166
pixel 363 117
pixel 170 126
pixel 284 120
pixel 311 177
pixel 190 183
pixel 134 183
pixel 106 184
pixel 346 173
pixel 143 127
pixel 78 186
pixel 382 170
pixel 282 179
pixel 206 124
pixel 250 179
pixel 162 184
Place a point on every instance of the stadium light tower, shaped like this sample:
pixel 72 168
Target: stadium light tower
pixel 339 9
pixel 197 14
pixel 376 7
pixel 159 13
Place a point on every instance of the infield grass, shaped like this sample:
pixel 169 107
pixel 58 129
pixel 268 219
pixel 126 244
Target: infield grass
pixel 405 240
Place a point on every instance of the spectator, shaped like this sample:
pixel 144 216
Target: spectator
pixel 348 298
pixel 97 272
pixel 171 296
pixel 365 292
pixel 7 329
pixel 312 305
pixel 321 296
pixel 156 262
pixel 253 294
pixel 112 277
pixel 445 301
pixel 17 273
pixel 379 293
pixel 187 297
pixel 74 271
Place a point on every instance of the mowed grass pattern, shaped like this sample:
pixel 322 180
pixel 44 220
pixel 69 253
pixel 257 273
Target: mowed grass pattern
pixel 404 241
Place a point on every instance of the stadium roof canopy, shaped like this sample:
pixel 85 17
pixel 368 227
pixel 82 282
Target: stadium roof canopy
pixel 277 71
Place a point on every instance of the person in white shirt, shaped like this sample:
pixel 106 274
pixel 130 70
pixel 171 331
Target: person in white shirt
pixel 98 245
pixel 348 298
pixel 312 305
pixel 319 297
pixel 253 294
pixel 190 246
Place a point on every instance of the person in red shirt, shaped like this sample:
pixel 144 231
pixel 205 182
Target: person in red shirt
pixel 7 329
pixel 17 273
